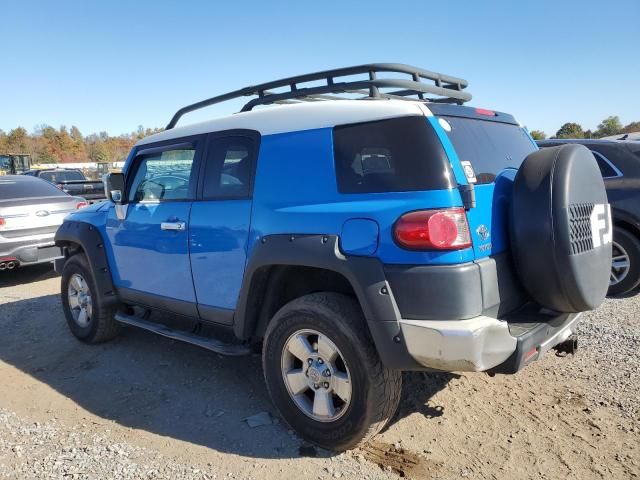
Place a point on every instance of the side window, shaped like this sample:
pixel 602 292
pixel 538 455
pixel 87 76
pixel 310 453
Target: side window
pixel 606 168
pixel 163 175
pixel 397 155
pixel 229 168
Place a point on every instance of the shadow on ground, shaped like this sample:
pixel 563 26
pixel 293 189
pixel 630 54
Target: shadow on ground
pixel 26 275
pixel 147 382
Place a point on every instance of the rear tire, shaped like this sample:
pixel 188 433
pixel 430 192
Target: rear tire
pixel 372 392
pixel 87 316
pixel 625 244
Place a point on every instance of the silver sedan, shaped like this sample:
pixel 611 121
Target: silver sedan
pixel 31 210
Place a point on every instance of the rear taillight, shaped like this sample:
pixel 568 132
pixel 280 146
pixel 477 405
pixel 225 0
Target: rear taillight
pixel 80 205
pixel 445 229
pixel 2 222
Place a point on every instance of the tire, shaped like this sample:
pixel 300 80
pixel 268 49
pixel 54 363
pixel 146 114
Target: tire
pixel 561 229
pixel 624 242
pixel 99 324
pixel 373 389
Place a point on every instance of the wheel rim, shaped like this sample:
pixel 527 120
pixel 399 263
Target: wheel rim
pixel 316 375
pixel 79 297
pixel 620 264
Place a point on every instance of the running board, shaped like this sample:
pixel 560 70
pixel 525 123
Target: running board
pixel 204 342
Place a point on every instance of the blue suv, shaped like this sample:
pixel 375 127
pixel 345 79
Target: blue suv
pixel 361 222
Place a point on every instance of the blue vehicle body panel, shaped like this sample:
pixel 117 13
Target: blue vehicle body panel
pixel 218 235
pixel 359 237
pixel 449 150
pixel 295 192
pixel 306 200
pixel 488 221
pixel 147 259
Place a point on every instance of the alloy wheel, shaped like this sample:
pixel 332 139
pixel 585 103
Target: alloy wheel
pixel 620 264
pixel 316 375
pixel 79 297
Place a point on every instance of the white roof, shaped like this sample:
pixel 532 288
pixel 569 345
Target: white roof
pixel 299 116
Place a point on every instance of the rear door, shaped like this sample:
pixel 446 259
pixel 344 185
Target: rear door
pixel 220 221
pixel 490 147
pixel 150 246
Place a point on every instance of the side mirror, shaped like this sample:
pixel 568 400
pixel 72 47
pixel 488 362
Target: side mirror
pixel 114 187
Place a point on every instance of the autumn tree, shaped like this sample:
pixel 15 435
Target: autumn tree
pixel 570 130
pixel 629 128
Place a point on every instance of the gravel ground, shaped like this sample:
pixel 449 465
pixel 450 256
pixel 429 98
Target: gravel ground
pixel 610 342
pixel 145 407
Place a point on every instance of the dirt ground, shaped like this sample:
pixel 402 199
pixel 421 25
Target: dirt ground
pixel 162 409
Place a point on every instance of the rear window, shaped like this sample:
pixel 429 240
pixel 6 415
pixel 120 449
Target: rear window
pixel 397 155
pixel 489 146
pixel 62 176
pixel 10 189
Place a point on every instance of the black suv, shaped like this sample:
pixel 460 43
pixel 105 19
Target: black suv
pixel 619 162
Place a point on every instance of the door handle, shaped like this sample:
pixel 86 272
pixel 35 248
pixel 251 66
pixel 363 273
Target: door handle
pixel 176 226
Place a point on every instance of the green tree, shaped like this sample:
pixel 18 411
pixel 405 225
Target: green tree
pixel 76 135
pixel 98 153
pixel 17 140
pixel 609 126
pixel 538 134
pixel 570 130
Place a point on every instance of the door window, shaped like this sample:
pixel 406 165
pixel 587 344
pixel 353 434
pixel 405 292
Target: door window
pixel 229 169
pixel 165 175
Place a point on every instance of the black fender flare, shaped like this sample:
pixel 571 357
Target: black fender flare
pixel 365 274
pixel 89 238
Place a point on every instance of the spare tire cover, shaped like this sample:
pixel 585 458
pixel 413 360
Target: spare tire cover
pixel 561 229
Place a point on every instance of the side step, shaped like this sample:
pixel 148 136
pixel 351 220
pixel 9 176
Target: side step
pixel 204 342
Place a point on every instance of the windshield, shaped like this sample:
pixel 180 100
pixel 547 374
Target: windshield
pixel 62 176
pixel 5 162
pixel 489 146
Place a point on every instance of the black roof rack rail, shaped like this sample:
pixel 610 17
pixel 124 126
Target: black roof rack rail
pixel 445 88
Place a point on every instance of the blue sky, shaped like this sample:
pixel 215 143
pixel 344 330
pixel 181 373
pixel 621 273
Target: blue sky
pixel 114 65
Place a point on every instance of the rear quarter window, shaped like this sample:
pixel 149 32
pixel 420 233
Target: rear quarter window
pixel 396 155
pixel 490 146
pixel 605 165
pixel 62 176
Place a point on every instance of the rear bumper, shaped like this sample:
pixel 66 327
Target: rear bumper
pixel 465 317
pixel 484 343
pixel 31 252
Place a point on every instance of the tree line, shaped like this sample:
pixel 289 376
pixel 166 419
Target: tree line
pixel 609 126
pixel 47 144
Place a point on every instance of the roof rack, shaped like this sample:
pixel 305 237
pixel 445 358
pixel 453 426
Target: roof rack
pixel 444 88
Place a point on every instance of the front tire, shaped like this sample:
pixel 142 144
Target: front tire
pixel 625 266
pixel 323 372
pixel 87 316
